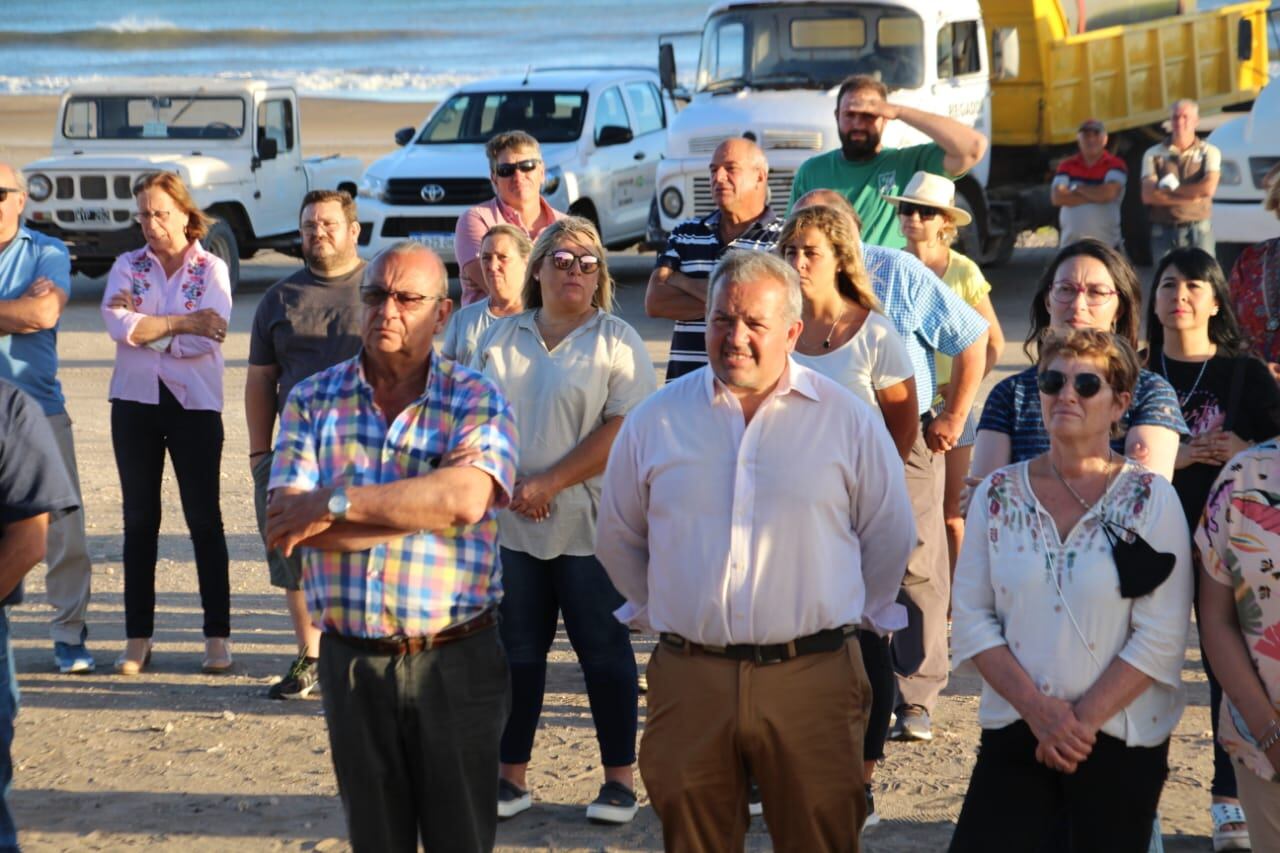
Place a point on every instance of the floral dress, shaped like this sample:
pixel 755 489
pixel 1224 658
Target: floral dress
pixel 1255 296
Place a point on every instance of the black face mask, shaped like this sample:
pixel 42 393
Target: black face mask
pixel 1141 567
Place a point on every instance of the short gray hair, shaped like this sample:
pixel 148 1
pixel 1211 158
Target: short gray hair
pixel 1184 102
pixel 19 179
pixel 743 265
pixel 407 247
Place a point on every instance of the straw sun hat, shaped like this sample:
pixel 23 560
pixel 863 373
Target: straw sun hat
pixel 932 190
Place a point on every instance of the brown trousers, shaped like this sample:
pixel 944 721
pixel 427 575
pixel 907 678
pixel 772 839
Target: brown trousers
pixel 798 726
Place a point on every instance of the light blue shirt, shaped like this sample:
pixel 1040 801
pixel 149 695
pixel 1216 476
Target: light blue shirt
pixel 30 361
pixel 927 314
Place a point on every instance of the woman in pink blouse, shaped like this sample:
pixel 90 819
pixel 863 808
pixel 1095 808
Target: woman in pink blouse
pixel 166 306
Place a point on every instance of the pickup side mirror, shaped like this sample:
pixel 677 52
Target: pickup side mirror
pixel 268 149
pixel 1004 53
pixel 667 66
pixel 404 136
pixel 1244 40
pixel 613 134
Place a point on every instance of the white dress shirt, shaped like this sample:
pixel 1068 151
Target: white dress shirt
pixel 727 532
pixel 1004 595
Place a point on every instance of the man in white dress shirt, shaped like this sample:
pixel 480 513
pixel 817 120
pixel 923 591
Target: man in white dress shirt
pixel 755 514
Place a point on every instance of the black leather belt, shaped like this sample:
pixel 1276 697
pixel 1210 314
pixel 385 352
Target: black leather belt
pixel 823 641
pixel 400 646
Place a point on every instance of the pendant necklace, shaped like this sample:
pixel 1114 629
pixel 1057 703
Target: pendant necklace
pixel 1085 505
pixel 826 343
pixel 1183 398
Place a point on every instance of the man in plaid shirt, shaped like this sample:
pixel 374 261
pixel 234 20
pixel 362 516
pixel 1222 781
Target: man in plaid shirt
pixel 389 470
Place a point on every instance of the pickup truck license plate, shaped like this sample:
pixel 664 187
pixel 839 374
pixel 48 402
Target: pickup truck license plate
pixel 435 241
pixel 92 214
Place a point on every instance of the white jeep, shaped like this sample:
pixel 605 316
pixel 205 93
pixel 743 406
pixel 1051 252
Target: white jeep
pixel 235 144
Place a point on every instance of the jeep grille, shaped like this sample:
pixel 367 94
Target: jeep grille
pixel 779 192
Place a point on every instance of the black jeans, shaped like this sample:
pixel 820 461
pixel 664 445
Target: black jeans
pixel 877 659
pixel 1016 803
pixel 140 433
pixel 415 742
pixel 535 593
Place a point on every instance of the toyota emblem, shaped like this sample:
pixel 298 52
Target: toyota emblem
pixel 432 193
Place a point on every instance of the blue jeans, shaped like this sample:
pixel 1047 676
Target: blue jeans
pixel 8 710
pixel 1188 235
pixel 535 593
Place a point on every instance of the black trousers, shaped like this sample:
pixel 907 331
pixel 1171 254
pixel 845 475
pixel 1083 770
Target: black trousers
pixel 415 742
pixel 140 434
pixel 878 661
pixel 1014 803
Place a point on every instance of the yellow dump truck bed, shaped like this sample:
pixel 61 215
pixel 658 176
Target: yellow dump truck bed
pixel 1126 75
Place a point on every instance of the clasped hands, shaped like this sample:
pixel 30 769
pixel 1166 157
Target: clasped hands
pixel 1215 447
pixel 1064 741
pixel 206 322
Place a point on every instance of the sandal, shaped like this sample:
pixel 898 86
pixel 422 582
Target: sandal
pixel 1225 815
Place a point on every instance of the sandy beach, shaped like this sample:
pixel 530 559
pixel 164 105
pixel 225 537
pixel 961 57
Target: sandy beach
pixel 178 760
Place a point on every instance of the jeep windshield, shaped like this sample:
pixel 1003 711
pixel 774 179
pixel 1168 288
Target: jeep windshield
pixel 476 116
pixel 780 47
pixel 153 117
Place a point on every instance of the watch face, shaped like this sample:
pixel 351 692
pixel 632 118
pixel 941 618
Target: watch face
pixel 338 503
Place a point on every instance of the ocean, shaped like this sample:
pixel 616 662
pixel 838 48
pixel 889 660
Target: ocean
pixel 382 49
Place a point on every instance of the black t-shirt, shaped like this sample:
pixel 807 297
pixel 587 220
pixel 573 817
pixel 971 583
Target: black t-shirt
pixel 33 477
pixel 1207 404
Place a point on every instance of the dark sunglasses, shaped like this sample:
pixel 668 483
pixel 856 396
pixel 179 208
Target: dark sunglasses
pixel 4 193
pixel 506 170
pixel 906 208
pixel 563 260
pixel 1051 382
pixel 375 296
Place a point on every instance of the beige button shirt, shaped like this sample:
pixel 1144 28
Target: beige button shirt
pixel 725 532
pixel 601 370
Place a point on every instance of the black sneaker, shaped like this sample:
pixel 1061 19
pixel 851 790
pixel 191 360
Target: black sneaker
pixel 301 680
pixel 512 800
pixel 873 817
pixel 616 803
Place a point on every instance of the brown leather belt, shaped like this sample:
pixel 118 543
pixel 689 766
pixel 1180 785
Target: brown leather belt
pixel 400 646
pixel 823 641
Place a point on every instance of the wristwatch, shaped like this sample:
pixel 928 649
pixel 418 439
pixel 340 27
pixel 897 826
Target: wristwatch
pixel 339 503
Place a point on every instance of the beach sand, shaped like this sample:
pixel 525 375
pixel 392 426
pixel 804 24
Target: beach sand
pixel 178 760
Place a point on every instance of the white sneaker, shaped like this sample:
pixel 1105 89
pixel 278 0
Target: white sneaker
pixel 616 803
pixel 512 800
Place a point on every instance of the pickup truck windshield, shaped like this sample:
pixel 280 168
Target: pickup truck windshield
pixel 153 117
pixel 476 116
pixel 803 46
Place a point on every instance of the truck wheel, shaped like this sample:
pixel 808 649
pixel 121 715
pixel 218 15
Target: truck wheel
pixel 969 239
pixel 93 269
pixel 1135 227
pixel 221 241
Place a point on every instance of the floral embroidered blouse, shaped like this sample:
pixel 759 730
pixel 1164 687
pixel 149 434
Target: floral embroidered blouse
pixel 1238 540
pixel 1257 302
pixel 190 366
pixel 1065 634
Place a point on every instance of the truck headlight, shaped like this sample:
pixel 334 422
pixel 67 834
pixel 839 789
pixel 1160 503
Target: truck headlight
pixel 672 202
pixel 39 187
pixel 1230 173
pixel 555 177
pixel 371 187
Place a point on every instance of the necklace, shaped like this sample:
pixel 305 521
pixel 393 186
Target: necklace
pixel 826 343
pixel 1183 398
pixel 1063 480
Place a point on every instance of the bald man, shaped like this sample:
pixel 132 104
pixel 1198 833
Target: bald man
pixel 742 220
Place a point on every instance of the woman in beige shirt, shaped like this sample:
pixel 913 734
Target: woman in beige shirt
pixel 571 371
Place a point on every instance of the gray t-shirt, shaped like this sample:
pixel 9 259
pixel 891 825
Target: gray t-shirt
pixel 306 323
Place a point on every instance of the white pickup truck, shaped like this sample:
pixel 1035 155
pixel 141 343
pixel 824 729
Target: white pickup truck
pixel 235 144
pixel 1250 148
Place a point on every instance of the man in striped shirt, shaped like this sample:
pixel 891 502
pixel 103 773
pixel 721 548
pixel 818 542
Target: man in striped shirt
pixel 742 220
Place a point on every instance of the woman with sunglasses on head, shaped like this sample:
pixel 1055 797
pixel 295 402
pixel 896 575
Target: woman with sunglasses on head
pixel 1088 285
pixel 1229 402
pixel 166 306
pixel 1072 601
pixel 504 256
pixel 929 218
pixel 1255 286
pixel 571 371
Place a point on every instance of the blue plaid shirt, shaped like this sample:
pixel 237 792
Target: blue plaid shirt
pixel 927 313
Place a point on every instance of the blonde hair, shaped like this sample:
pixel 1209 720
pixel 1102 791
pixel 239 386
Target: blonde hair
pixel 523 244
pixel 852 280
pixel 1271 201
pixel 571 229
pixel 198 224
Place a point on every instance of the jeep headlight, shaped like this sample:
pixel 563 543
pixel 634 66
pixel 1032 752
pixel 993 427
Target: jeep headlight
pixel 672 202
pixel 39 187
pixel 371 187
pixel 555 177
pixel 1230 174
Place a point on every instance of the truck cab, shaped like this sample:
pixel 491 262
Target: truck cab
pixel 770 71
pixel 235 143
pixel 1250 147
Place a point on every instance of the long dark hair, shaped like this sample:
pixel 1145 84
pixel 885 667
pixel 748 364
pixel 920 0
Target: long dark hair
pixel 1196 265
pixel 1128 292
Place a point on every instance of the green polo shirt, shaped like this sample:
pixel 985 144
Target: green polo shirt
pixel 866 183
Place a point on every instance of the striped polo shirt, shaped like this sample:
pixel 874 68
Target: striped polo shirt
pixel 693 249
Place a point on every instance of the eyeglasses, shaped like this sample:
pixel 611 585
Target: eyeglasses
pixel 4 193
pixel 1051 382
pixel 375 296
pixel 1065 293
pixel 160 216
pixel 329 226
pixel 506 170
pixel 906 208
pixel 563 260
